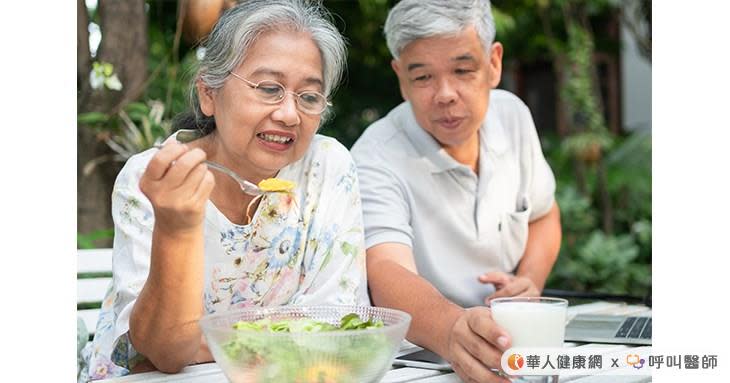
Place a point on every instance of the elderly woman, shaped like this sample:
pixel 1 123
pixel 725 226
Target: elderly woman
pixel 184 244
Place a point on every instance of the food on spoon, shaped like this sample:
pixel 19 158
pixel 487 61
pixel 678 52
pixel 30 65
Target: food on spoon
pixel 276 185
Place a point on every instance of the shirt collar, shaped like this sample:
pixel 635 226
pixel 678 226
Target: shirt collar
pixel 492 134
pixel 491 138
pixel 434 155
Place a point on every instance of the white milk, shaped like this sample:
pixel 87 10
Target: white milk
pixel 531 324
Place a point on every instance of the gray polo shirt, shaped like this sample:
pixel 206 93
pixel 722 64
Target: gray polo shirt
pixel 458 224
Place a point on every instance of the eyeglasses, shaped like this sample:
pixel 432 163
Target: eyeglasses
pixel 271 92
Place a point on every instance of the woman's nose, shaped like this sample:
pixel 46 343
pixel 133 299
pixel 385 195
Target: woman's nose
pixel 287 111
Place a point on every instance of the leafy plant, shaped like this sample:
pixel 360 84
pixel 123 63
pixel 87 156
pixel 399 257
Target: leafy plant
pixel 605 263
pixel 142 126
pixel 89 240
pixel 591 259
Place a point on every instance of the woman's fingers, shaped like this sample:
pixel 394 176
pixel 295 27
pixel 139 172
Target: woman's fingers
pixel 205 185
pixel 160 162
pixel 178 184
pixel 178 173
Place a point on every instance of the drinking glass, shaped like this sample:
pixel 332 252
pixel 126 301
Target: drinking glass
pixel 532 322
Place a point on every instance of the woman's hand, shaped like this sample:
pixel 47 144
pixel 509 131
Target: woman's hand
pixel 178 184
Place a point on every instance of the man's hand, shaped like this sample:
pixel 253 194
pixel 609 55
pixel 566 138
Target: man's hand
pixel 509 285
pixel 475 346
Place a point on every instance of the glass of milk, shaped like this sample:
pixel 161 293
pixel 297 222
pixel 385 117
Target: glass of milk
pixel 532 322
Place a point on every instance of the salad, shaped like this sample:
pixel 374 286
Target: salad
pixel 299 359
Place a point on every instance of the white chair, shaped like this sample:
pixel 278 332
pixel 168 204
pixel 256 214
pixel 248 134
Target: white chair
pixel 93 277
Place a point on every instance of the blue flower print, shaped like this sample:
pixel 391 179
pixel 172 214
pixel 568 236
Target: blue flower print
pixel 348 179
pixel 283 247
pixel 323 246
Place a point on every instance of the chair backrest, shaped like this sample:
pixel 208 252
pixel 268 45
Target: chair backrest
pixel 93 277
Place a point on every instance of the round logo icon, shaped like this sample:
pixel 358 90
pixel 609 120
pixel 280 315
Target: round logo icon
pixel 515 361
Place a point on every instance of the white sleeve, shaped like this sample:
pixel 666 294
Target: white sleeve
pixel 133 223
pixel 334 259
pixel 111 353
pixel 386 210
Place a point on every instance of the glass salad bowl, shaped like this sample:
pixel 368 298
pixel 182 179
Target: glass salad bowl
pixel 303 344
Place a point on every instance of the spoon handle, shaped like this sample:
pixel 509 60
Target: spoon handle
pixel 248 187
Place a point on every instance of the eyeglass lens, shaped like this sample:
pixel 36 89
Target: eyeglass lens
pixel 273 92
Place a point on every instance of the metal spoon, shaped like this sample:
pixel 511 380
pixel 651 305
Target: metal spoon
pixel 247 187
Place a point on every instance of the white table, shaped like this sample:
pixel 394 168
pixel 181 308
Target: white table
pixel 210 373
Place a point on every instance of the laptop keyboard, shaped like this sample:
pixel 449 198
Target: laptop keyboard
pixel 635 327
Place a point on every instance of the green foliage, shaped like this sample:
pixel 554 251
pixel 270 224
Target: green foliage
pixel 370 89
pixel 90 240
pixel 579 143
pixel 134 129
pixel 606 263
pixel 603 181
pixel 92 118
pixel 590 259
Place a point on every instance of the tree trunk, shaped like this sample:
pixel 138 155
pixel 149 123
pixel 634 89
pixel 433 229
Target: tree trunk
pixel 124 45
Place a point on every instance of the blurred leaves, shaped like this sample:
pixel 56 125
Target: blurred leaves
pixel 590 259
pixel 134 129
pixel 605 263
pixel 90 240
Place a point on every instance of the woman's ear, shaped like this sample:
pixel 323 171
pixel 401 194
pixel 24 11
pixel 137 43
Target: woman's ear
pixel 206 98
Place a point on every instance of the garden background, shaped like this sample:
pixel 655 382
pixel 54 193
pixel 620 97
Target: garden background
pixel 565 58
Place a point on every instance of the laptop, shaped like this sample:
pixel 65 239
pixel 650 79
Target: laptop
pixel 619 329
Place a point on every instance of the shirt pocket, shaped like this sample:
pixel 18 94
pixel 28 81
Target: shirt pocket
pixel 513 233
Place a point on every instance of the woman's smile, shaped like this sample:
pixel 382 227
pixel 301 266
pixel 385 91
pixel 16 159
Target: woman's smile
pixel 277 141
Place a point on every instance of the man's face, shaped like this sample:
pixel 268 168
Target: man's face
pixel 447 80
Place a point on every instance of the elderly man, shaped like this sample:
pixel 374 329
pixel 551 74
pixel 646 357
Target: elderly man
pixel 458 198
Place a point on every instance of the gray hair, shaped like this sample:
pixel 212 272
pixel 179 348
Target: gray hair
pixel 239 27
pixel 411 20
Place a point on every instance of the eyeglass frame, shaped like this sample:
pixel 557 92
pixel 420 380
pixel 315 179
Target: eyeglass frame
pixel 255 85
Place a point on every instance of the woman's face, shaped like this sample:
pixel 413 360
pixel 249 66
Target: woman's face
pixel 258 138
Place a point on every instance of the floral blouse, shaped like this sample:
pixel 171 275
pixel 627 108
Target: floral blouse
pixel 303 247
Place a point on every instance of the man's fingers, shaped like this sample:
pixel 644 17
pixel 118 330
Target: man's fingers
pixel 517 287
pixel 486 353
pixel 481 323
pixel 496 277
pixel 470 369
pixel 501 293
